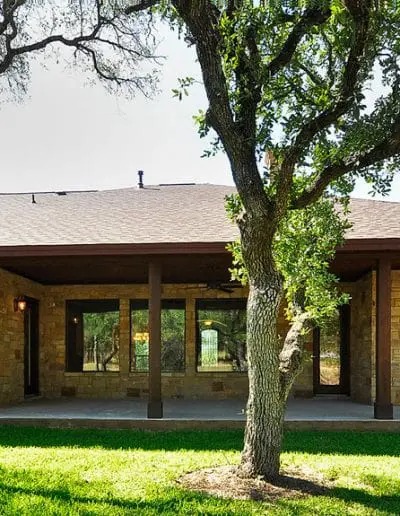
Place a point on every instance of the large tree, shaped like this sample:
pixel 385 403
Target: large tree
pixel 101 37
pixel 290 79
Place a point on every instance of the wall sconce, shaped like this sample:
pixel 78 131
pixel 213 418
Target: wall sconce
pixel 20 304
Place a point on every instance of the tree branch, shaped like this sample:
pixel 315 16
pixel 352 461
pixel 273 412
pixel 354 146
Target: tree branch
pixel 249 85
pixel 140 5
pixel 349 86
pixel 291 356
pixel 386 149
pixel 311 18
pixel 202 19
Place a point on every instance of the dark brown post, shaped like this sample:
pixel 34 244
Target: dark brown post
pixel 383 404
pixel 155 406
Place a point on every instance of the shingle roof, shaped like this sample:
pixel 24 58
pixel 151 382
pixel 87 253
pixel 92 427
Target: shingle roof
pixel 157 214
pixel 181 213
pixel 374 219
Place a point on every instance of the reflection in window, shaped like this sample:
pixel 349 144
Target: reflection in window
pixel 92 335
pixel 221 335
pixel 329 349
pixel 172 335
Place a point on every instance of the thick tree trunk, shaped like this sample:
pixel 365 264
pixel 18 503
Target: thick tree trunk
pixel 266 406
pixel 266 403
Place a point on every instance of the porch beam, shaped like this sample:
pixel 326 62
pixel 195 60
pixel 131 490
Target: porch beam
pixel 155 405
pixel 383 404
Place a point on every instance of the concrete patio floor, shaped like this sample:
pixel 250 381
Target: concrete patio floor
pixel 315 413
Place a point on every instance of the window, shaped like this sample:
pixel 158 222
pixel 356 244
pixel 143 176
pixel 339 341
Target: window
pixel 221 335
pixel 172 335
pixel 92 336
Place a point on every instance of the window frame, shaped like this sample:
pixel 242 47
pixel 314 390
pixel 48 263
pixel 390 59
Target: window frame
pixel 238 303
pixel 143 304
pixel 76 306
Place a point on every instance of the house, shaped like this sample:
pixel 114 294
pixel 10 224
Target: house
pixel 78 271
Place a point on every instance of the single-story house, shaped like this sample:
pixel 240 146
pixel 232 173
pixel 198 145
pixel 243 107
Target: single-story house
pixel 79 270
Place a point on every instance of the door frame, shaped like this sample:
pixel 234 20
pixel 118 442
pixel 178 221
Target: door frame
pixel 31 347
pixel 344 380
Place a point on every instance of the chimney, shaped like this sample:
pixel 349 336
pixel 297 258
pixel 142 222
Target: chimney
pixel 140 183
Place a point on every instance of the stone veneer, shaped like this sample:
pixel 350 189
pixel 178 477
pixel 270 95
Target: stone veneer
pixel 189 384
pixel 54 381
pixel 363 315
pixel 12 335
pixel 362 339
pixel 396 337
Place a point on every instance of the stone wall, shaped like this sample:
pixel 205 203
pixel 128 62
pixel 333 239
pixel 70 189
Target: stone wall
pixel 362 339
pixel 396 337
pixel 54 381
pixel 12 335
pixel 190 384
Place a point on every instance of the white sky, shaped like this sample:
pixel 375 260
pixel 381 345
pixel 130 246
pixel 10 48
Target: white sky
pixel 68 136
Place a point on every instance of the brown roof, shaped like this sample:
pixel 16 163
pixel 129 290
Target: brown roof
pixel 374 219
pixel 157 214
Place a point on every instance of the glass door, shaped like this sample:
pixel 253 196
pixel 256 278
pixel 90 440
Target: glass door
pixel 331 355
pixel 31 351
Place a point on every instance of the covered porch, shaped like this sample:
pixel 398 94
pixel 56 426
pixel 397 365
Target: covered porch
pixel 59 277
pixel 307 414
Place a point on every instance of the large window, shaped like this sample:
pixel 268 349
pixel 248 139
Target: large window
pixel 92 335
pixel 172 335
pixel 221 335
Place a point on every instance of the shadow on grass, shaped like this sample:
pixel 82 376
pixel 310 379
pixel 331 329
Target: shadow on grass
pixel 343 443
pixel 171 501
pixel 121 439
pixel 182 501
pixel 338 443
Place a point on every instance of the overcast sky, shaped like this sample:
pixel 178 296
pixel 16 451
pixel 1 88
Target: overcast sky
pixel 67 135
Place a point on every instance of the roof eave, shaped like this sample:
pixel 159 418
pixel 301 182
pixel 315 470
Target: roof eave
pixel 370 245
pixel 161 248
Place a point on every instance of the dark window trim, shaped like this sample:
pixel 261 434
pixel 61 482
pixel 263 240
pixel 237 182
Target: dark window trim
pixel 77 306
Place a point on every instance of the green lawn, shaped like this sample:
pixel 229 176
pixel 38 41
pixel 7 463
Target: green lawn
pixel 49 471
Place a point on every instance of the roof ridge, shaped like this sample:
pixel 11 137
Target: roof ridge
pixel 47 192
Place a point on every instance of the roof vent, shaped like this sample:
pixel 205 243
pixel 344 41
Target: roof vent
pixel 61 193
pixel 33 199
pixel 140 175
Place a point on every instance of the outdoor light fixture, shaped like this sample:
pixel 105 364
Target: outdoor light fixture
pixel 20 304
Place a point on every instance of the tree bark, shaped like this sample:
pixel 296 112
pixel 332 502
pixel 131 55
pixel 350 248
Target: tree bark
pixel 266 405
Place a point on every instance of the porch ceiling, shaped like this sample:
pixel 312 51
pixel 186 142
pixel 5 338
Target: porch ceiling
pixel 119 269
pixel 123 264
pixel 351 266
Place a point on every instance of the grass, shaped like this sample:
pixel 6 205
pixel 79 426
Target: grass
pixel 87 472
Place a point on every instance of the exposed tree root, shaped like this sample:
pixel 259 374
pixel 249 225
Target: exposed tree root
pixel 225 482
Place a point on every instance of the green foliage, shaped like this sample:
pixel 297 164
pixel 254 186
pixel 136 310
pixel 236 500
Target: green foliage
pixel 304 245
pixel 312 82
pixel 183 87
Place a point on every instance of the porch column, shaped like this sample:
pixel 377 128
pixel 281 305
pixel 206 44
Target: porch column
pixel 383 404
pixel 155 406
